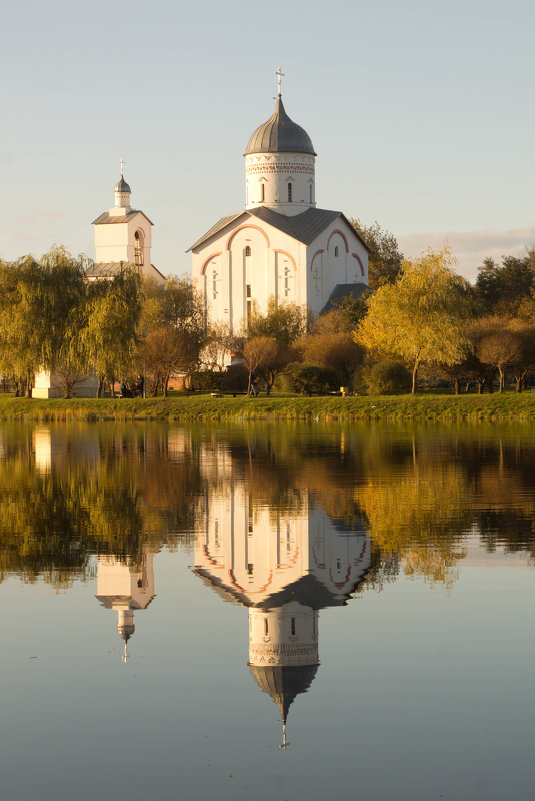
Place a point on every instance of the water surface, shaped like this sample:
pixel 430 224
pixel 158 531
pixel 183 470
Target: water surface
pixel 270 612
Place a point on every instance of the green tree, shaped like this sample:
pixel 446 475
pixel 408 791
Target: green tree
pixel 422 317
pixel 111 317
pixel 40 312
pixel 501 289
pixel 284 322
pixel 384 261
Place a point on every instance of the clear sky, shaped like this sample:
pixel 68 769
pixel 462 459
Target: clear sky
pixel 421 113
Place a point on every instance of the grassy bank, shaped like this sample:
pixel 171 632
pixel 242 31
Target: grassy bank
pixel 445 408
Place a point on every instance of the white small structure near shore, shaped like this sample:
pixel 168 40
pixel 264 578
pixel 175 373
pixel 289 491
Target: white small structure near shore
pixel 122 241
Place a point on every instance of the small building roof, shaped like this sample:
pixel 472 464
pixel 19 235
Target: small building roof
pixel 304 227
pixel 107 218
pixel 109 269
pixel 280 134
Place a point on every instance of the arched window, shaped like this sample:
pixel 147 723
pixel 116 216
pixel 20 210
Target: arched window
pixel 248 251
pixel 311 193
pixel 262 192
pixel 293 625
pixel 266 627
pixel 289 192
pixel 139 241
pixel 336 251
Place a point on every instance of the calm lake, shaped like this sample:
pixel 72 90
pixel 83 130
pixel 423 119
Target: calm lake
pixel 271 613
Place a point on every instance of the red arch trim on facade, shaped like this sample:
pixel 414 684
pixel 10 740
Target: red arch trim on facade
pixel 203 268
pixel 357 257
pixel 285 253
pixel 337 231
pixel 247 225
pixel 317 253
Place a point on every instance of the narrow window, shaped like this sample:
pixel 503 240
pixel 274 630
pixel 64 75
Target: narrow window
pixel 289 193
pixel 311 193
pixel 247 251
pixel 293 625
pixel 286 281
pixel 138 249
pixel 248 290
pixel 262 193
pixel 214 285
pixel 250 569
pixel 266 628
pixel 336 251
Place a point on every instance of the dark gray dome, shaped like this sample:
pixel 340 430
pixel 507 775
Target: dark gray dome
pixel 121 186
pixel 283 683
pixel 280 135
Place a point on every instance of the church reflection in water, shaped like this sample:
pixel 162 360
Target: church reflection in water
pixel 284 565
pixel 125 586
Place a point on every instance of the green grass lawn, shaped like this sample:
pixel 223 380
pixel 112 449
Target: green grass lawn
pixel 421 407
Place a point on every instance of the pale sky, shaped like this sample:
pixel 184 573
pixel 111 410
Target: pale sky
pixel 421 115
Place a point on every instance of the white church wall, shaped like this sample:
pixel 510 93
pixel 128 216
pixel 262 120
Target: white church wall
pixel 337 256
pixel 115 242
pixel 222 271
pixel 269 175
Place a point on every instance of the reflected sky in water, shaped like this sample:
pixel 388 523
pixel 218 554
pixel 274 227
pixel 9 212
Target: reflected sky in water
pixel 271 613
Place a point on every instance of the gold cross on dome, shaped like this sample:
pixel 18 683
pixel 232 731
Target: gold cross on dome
pixel 279 75
pixel 122 162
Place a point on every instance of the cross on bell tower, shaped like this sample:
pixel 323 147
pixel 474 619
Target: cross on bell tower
pixel 279 75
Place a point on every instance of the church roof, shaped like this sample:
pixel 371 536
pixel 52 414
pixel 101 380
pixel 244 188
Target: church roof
pixel 307 590
pixel 215 229
pixel 304 227
pixel 342 291
pixel 283 683
pixel 108 269
pixel 280 134
pixel 108 218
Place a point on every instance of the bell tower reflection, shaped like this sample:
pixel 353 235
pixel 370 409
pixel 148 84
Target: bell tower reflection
pixel 285 565
pixel 125 585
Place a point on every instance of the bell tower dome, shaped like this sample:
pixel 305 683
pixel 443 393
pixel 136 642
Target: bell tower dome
pixel 280 165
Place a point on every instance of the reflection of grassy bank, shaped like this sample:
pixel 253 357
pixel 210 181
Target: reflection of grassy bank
pixel 508 406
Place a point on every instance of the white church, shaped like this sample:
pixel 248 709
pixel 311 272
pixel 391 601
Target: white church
pixel 282 245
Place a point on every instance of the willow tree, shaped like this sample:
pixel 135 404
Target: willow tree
pixel 422 317
pixel 39 304
pixel 108 331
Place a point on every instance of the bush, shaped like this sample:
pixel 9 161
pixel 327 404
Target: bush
pixel 233 378
pixel 387 378
pixel 308 378
pixel 236 377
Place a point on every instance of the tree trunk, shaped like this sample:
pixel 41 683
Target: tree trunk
pixel 165 385
pixel 518 383
pixel 456 385
pixel 156 385
pixel 500 371
pixel 414 378
pixel 480 385
pixel 467 386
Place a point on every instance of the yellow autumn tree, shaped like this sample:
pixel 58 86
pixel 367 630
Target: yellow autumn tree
pixel 421 318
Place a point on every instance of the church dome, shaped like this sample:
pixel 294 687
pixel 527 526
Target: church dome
pixel 121 186
pixel 280 135
pixel 283 683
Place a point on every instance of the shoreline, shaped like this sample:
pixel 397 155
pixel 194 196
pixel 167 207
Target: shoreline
pixel 506 407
